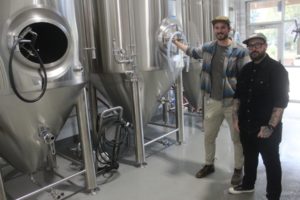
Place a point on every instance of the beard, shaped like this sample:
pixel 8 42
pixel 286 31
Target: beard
pixel 221 36
pixel 256 56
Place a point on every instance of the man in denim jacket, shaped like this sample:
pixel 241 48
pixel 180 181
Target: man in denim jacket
pixel 222 61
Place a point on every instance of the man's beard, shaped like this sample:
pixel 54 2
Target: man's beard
pixel 256 56
pixel 221 36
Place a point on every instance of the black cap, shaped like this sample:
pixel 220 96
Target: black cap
pixel 223 19
pixel 255 36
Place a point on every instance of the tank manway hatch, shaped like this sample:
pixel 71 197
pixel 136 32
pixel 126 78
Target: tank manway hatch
pixel 48 39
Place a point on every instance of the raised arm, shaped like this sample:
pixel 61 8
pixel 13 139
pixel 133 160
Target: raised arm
pixel 194 52
pixel 180 45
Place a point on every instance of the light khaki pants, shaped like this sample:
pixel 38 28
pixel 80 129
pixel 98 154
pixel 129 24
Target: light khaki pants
pixel 214 114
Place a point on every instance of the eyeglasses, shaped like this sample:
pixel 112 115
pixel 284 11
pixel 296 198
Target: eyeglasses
pixel 255 45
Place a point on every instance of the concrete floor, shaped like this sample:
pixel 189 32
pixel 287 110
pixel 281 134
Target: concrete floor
pixel 169 173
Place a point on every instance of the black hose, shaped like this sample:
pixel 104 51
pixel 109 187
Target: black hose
pixel 104 103
pixel 42 72
pixel 102 142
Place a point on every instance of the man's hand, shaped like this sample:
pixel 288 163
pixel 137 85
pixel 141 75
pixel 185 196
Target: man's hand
pixel 235 120
pixel 265 132
pixel 179 44
pixel 235 124
pixel 176 39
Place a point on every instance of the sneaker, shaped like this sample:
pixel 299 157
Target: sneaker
pixel 237 177
pixel 240 189
pixel 206 170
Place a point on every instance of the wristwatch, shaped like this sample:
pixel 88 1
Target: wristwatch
pixel 271 127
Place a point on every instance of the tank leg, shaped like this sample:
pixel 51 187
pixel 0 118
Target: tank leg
pixel 93 107
pixel 138 120
pixel 84 130
pixel 179 109
pixel 2 191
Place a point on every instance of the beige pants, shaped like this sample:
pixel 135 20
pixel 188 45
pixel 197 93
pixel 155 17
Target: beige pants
pixel 214 114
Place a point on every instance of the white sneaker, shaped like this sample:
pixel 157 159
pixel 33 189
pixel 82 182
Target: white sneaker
pixel 239 190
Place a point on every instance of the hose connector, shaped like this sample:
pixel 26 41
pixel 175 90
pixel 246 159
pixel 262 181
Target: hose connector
pixel 48 138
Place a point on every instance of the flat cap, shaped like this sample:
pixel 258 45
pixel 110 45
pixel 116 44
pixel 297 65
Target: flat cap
pixel 223 19
pixel 255 36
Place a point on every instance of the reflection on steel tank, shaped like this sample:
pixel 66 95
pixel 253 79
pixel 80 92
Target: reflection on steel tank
pixel 40 78
pixel 132 42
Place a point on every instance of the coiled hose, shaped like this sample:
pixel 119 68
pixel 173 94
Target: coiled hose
pixel 107 150
pixel 41 71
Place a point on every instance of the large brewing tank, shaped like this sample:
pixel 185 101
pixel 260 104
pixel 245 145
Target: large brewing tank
pixel 28 130
pixel 193 16
pixel 132 39
pixel 196 18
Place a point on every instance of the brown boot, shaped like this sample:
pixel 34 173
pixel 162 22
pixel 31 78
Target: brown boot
pixel 206 170
pixel 237 177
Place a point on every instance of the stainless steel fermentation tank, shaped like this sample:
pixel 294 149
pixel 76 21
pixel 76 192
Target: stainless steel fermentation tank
pixel 131 44
pixel 28 130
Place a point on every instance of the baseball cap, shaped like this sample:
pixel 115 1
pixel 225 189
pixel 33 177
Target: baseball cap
pixel 223 19
pixel 255 36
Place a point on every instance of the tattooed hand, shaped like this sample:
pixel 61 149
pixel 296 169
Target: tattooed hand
pixel 265 132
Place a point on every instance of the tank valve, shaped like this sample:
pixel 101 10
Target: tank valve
pixel 121 56
pixel 49 139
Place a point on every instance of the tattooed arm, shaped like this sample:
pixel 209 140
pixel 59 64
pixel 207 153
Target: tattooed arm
pixel 276 116
pixel 235 119
pixel 266 131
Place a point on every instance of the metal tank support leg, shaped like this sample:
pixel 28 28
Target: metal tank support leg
pixel 179 110
pixel 138 120
pixel 93 107
pixel 2 191
pixel 84 130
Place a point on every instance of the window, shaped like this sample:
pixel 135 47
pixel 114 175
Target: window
pixel 264 11
pixel 292 8
pixel 278 20
pixel 291 47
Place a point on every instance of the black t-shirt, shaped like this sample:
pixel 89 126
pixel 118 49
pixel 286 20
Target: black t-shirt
pixel 260 88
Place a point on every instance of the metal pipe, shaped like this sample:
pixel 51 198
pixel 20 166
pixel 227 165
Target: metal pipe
pixel 93 108
pixel 173 108
pixel 89 47
pixel 179 109
pixel 207 31
pixel 165 112
pixel 138 119
pixel 163 125
pixel 84 130
pixel 51 185
pixel 2 191
pixel 220 7
pixel 87 6
pixel 160 137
